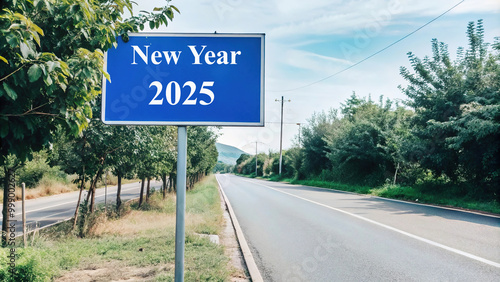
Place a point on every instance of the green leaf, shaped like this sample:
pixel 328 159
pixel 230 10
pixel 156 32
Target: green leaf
pixel 35 37
pixel 3 59
pixel 48 80
pixel 175 8
pixel 170 14
pixel 37 29
pixel 63 86
pixel 51 65
pixel 12 40
pixel 106 75
pixel 25 50
pixel 152 25
pixel 87 110
pixel 85 33
pixel 9 91
pixel 34 73
pixel 87 73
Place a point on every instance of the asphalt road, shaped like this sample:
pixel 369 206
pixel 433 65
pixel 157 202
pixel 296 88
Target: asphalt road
pixel 299 233
pixel 52 209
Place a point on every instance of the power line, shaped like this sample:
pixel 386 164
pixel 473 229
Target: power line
pixel 374 54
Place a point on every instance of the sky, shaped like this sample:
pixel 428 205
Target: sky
pixel 309 41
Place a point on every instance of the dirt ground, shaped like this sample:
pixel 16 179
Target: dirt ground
pixel 113 271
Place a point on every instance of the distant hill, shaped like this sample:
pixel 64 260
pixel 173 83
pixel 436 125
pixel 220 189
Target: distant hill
pixel 228 154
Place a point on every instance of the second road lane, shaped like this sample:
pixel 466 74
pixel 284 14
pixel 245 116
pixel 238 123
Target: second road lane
pixel 46 211
pixel 299 233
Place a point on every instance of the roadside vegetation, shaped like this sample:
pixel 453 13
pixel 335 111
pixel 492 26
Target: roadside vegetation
pixel 140 243
pixel 51 135
pixel 439 146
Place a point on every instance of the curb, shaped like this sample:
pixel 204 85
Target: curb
pixel 247 254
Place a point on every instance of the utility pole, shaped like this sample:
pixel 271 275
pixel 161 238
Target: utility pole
pixel 298 123
pixel 281 132
pixel 256 158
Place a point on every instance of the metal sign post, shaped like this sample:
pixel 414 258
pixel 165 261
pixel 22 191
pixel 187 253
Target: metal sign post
pixel 184 80
pixel 180 208
pixel 106 192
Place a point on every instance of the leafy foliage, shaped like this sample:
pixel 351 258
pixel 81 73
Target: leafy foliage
pixel 51 54
pixel 456 105
pixel 52 57
pixel 445 141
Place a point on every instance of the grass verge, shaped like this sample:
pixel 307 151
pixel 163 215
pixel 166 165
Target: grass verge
pixel 448 199
pixel 138 245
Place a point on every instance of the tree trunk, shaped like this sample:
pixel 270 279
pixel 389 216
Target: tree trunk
pixel 142 192
pixel 170 184
pixel 9 198
pixel 78 202
pixel 174 182
pixel 164 185
pixel 148 190
pixel 89 194
pixel 395 175
pixel 93 188
pixel 119 191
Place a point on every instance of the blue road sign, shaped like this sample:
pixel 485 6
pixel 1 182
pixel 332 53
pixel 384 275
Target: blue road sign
pixel 185 79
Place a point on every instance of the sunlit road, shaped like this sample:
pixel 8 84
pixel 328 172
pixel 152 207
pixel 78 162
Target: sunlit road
pixel 49 210
pixel 299 233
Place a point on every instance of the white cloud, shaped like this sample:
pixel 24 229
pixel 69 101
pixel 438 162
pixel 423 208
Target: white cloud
pixel 302 46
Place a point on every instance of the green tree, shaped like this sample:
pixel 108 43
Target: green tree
pixel 363 149
pixel 201 153
pixel 122 160
pixel 314 144
pixel 456 106
pixel 51 54
pixel 240 162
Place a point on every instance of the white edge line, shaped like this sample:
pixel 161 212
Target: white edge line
pixel 247 254
pixel 468 255
pixel 395 200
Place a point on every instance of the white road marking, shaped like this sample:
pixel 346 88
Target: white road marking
pixel 51 215
pixel 436 244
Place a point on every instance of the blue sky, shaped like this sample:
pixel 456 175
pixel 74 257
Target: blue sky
pixel 307 41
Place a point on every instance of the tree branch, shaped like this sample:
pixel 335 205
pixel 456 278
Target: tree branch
pixel 5 77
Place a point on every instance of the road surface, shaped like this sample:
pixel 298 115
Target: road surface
pixel 299 233
pixel 52 209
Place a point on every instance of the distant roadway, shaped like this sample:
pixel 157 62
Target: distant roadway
pixel 52 209
pixel 300 233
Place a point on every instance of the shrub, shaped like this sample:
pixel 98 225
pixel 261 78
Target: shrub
pixel 37 169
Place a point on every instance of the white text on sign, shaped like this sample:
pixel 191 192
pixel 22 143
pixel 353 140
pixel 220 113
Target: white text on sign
pixel 173 96
pixel 200 56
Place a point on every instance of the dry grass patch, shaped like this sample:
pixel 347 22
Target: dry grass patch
pixel 133 223
pixel 137 222
pixel 44 189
